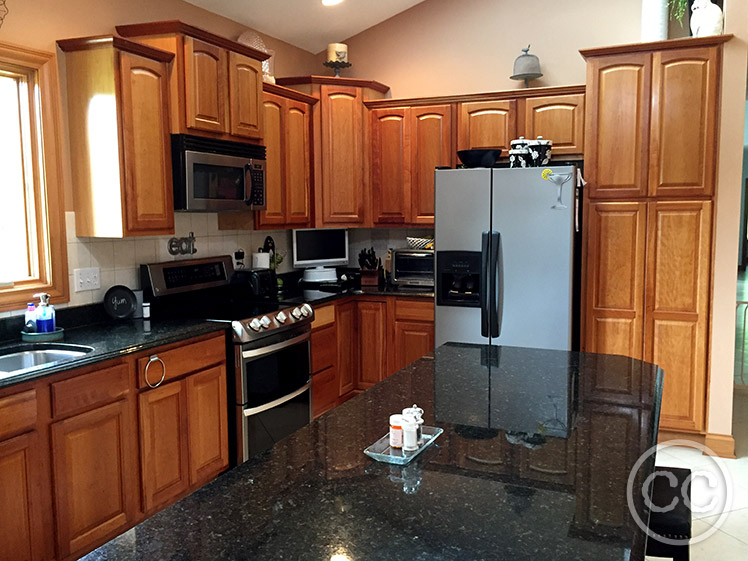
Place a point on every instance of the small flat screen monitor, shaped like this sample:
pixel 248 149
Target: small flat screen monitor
pixel 320 248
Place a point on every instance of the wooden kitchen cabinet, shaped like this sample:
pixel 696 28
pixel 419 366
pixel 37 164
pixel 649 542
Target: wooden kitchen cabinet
pixel 183 419
pixel 684 122
pixel 95 477
pixel 407 143
pixel 118 107
pixel 324 364
pixel 486 124
pixel 412 333
pixel 371 317
pixel 207 421
pixel 163 444
pixel 345 320
pixel 341 178
pixel 553 462
pixel 677 306
pixel 559 118
pixel 616 234
pixel 650 161
pixel 617 120
pixel 217 83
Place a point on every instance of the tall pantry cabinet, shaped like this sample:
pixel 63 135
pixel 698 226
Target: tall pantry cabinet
pixel 650 159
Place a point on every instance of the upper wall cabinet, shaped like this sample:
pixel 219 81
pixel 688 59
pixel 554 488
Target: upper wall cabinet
pixel 407 143
pixel 651 119
pixel 217 82
pixel 487 124
pixel 559 118
pixel 118 107
pixel 341 196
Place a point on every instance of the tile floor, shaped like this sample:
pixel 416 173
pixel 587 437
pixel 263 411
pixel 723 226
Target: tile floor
pixel 730 540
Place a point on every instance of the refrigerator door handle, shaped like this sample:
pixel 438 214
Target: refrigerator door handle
pixel 496 281
pixel 484 285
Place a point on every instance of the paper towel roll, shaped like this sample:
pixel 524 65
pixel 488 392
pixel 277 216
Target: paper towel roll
pixel 260 260
pixel 337 52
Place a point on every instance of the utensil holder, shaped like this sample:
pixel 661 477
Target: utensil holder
pixel 370 277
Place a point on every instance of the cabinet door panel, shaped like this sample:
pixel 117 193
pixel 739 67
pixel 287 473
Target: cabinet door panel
pixel 205 85
pixel 390 165
pixel 94 471
pixel 558 118
pixel 413 339
pixel 678 272
pixel 431 146
pixel 345 321
pixel 615 278
pixel 208 424
pixel 617 121
pixel 298 182
pixel 486 124
pixel 372 322
pixel 245 95
pixel 684 117
pixel 342 181
pixel 22 533
pixel 324 390
pixel 163 444
pixel 148 189
pixel 553 462
pixel 274 109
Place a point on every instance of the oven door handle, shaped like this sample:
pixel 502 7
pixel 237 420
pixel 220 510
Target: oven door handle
pixel 256 353
pixel 277 402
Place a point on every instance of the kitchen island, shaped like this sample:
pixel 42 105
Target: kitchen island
pixel 533 464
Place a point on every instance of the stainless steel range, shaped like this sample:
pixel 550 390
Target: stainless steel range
pixel 270 383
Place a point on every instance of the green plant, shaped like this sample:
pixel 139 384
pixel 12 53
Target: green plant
pixel 678 9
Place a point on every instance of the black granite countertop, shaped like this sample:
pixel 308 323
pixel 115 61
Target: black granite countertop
pixel 117 338
pixel 533 464
pixel 318 297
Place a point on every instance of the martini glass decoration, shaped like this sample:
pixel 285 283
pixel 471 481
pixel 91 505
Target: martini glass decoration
pixel 560 179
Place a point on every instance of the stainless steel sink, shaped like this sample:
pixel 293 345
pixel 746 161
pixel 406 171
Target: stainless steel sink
pixel 19 359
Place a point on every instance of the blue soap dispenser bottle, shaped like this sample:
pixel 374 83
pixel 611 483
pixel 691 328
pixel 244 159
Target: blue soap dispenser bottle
pixel 45 314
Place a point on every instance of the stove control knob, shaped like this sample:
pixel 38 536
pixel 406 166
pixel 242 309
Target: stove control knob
pixel 255 324
pixel 306 310
pixel 265 322
pixel 296 313
pixel 237 327
pixel 281 317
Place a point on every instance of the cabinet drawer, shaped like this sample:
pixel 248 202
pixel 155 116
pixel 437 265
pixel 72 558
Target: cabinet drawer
pixel 178 361
pixel 323 316
pixel 410 308
pixel 88 390
pixel 324 390
pixel 17 412
pixel 324 348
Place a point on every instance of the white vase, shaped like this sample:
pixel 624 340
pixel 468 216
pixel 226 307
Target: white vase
pixel 706 19
pixel 654 20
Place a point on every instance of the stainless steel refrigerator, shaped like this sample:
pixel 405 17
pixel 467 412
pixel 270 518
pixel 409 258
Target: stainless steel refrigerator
pixel 505 256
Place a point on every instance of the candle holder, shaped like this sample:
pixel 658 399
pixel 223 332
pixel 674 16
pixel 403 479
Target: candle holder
pixel 336 65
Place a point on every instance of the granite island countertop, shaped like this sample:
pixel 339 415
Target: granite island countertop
pixel 533 464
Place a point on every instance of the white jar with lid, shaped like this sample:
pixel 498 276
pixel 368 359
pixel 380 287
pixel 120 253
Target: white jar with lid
pixel 410 433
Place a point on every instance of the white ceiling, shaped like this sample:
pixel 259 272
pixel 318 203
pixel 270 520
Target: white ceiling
pixel 307 24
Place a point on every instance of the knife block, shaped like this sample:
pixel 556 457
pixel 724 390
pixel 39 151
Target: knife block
pixel 370 277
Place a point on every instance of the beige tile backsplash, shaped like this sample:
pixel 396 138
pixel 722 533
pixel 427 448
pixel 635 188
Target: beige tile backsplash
pixel 119 260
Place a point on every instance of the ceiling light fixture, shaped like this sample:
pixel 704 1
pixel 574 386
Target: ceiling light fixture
pixel 331 2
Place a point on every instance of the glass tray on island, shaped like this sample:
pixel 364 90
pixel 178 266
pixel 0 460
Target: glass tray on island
pixel 382 452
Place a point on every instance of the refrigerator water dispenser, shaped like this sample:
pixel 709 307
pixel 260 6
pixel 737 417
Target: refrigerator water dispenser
pixel 459 275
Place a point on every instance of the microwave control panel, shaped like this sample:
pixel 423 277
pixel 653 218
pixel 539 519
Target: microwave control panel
pixel 256 197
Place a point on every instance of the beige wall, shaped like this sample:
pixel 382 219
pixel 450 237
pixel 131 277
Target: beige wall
pixel 39 23
pixel 442 47
pixel 727 232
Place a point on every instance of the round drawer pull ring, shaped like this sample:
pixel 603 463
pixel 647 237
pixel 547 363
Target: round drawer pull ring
pixel 151 360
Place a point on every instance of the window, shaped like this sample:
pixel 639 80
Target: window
pixel 31 203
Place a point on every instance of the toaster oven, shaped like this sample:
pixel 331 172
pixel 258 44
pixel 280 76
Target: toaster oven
pixel 413 267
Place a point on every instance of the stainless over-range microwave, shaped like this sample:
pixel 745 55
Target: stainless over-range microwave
pixel 217 175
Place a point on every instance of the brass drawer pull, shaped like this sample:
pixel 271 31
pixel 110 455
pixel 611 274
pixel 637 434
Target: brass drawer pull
pixel 151 360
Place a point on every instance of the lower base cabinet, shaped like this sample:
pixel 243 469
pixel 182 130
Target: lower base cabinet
pixel 22 478
pixel 371 317
pixel 95 476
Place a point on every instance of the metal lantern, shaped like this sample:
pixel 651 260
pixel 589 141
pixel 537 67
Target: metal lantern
pixel 526 67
